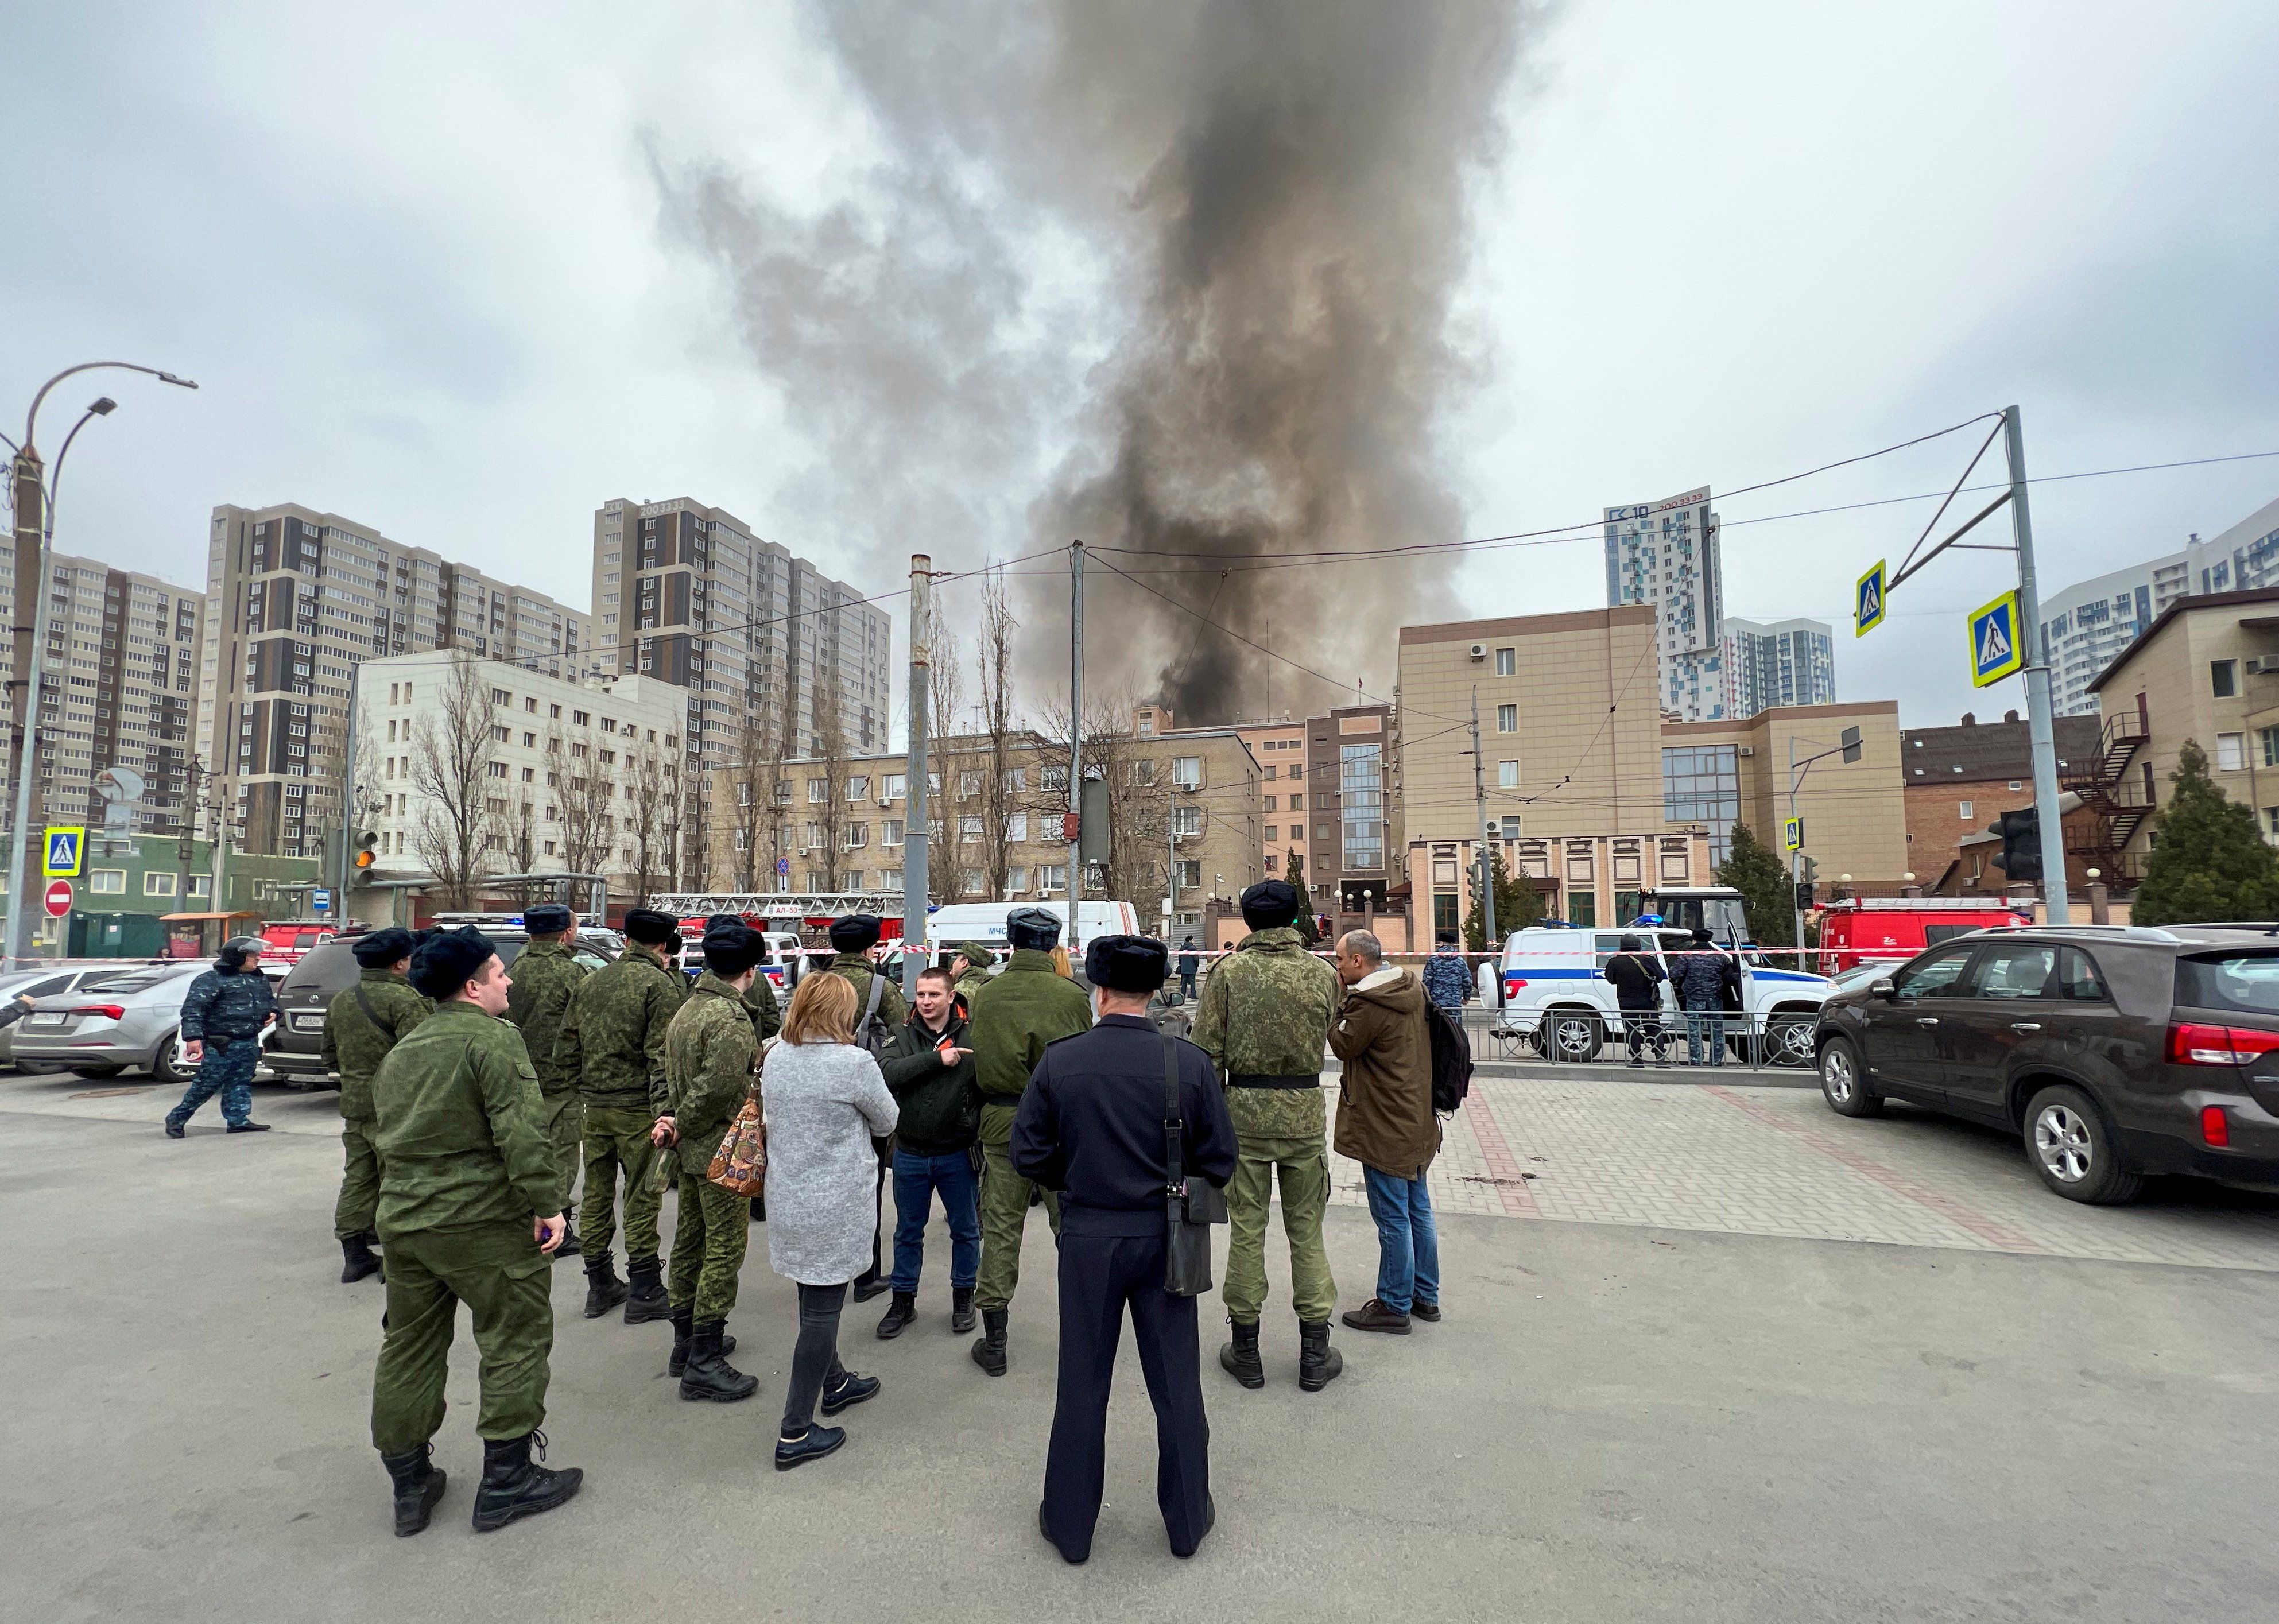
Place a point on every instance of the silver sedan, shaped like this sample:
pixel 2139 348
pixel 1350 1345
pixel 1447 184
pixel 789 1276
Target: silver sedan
pixel 111 1021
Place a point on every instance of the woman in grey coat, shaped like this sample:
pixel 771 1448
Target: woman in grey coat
pixel 825 1101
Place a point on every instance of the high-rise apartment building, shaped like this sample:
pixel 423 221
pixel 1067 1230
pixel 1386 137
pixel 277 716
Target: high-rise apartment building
pixel 1776 662
pixel 295 599
pixel 2087 625
pixel 116 688
pixel 1665 553
pixel 758 639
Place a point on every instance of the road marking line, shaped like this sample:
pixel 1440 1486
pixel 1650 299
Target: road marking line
pixel 1993 1233
pixel 1503 1167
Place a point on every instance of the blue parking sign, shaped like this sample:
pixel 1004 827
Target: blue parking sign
pixel 1998 640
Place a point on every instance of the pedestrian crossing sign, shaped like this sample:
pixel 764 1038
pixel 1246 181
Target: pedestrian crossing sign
pixel 1867 601
pixel 1793 834
pixel 63 848
pixel 1998 641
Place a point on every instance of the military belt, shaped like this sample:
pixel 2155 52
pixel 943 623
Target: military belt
pixel 1256 1079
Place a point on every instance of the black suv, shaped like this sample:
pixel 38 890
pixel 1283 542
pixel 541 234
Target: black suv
pixel 2115 1050
pixel 295 1055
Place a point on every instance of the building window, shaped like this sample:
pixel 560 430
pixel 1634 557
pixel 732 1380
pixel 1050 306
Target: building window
pixel 1701 784
pixel 1053 877
pixel 1507 662
pixel 1186 821
pixel 107 882
pixel 858 789
pixel 2230 752
pixel 1507 718
pixel 2223 677
pixel 1016 827
pixel 1508 775
pixel 897 786
pixel 158 884
pixel 2269 739
pixel 818 791
pixel 1967 813
pixel 1187 771
pixel 1297 804
pixel 1191 871
pixel 970 882
pixel 890 831
pixel 1582 909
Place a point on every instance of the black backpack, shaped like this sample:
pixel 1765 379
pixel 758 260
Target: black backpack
pixel 1452 1060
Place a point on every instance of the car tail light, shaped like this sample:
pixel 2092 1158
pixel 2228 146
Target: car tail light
pixel 2215 1127
pixel 117 1012
pixel 2194 1043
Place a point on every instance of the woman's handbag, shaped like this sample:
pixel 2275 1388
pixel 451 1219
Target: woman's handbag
pixel 1191 1206
pixel 740 1165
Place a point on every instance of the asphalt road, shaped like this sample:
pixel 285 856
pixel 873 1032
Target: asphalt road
pixel 1613 1423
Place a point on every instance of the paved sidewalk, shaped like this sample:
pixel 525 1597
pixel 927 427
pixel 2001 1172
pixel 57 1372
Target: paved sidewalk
pixel 1746 1159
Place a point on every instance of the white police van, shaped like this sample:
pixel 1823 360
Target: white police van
pixel 1556 991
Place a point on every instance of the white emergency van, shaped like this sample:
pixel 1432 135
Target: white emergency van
pixel 1556 991
pixel 985 921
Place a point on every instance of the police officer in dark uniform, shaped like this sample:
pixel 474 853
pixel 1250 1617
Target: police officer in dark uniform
pixel 1091 1126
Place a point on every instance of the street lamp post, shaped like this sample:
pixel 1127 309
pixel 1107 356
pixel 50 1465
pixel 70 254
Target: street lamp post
pixel 34 530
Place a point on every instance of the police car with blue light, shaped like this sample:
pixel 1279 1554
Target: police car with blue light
pixel 1557 998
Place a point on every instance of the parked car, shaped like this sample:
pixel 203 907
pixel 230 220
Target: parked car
pixel 2112 1051
pixel 786 962
pixel 289 939
pixel 128 1016
pixel 1554 988
pixel 46 982
pixel 296 1055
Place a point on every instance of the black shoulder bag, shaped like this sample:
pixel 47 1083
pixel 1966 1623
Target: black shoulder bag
pixel 1192 1207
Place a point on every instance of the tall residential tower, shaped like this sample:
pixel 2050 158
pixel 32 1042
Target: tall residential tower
pixel 1665 553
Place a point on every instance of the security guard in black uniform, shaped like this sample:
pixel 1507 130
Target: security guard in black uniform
pixel 1091 1126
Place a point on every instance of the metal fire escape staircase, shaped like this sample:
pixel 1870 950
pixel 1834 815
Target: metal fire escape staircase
pixel 2118 798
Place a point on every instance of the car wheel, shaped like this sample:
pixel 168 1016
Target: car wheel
pixel 1574 1035
pixel 98 1073
pixel 1844 1080
pixel 2072 1148
pixel 1788 1039
pixel 168 1065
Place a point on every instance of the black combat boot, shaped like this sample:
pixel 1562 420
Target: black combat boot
pixel 513 1487
pixel 1318 1363
pixel 603 1289
pixel 961 1308
pixel 707 1374
pixel 904 1310
pixel 684 1322
pixel 646 1300
pixel 989 1347
pixel 358 1263
pixel 1240 1356
pixel 571 1245
pixel 419 1485
pixel 759 1209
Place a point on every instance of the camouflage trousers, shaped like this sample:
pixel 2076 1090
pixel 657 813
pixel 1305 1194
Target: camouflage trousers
pixel 506 1282
pixel 1302 1167
pixel 564 1117
pixel 708 1244
pixel 1004 1211
pixel 358 1208
pixel 616 1142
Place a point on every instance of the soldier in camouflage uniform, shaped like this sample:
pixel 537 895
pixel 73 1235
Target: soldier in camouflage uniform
pixel 852 939
pixel 760 1004
pixel 544 975
pixel 612 1041
pixel 970 963
pixel 1264 1020
pixel 464 1181
pixel 1024 1007
pixel 361 1025
pixel 711 1050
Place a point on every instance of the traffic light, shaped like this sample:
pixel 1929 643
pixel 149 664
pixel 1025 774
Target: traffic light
pixel 1807 874
pixel 2022 844
pixel 360 865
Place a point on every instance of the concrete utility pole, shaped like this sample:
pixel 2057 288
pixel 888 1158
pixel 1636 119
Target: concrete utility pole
pixel 350 816
pixel 914 802
pixel 2049 821
pixel 1074 935
pixel 1489 939
pixel 184 845
pixel 31 504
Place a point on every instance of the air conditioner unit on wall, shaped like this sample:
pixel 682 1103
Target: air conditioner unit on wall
pixel 1746 750
pixel 1480 651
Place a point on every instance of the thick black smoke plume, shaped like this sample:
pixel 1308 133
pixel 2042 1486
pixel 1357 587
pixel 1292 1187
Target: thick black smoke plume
pixel 1184 269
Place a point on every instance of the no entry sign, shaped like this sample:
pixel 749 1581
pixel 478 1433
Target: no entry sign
pixel 58 898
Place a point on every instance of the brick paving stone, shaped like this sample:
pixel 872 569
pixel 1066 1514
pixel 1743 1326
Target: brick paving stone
pixel 1775 1160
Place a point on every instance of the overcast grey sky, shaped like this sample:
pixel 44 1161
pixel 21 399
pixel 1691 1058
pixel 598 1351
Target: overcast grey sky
pixel 429 270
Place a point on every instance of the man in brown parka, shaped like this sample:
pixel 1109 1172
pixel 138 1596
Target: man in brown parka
pixel 1386 1123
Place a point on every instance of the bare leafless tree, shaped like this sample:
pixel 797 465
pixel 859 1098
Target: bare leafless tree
pixel 652 782
pixel 829 766
pixel 584 795
pixel 1011 787
pixel 458 835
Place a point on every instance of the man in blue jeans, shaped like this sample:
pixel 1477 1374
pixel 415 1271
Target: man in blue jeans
pixel 929 1069
pixel 1386 1123
pixel 223 1014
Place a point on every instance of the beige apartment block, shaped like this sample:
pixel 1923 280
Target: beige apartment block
pixel 1570 731
pixel 2206 670
pixel 1854 812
